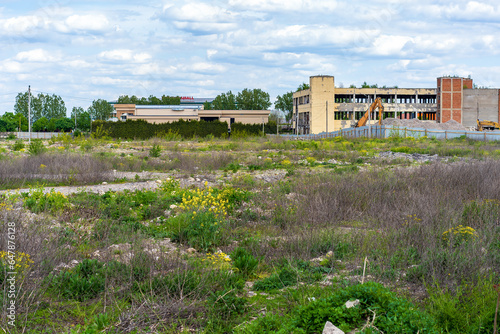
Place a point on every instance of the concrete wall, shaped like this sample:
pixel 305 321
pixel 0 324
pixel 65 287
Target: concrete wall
pixel 388 107
pixel 480 103
pixel 322 93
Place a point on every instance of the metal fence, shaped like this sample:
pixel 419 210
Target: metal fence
pixel 384 131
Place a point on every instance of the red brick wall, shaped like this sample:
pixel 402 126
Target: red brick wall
pixel 468 83
pixel 449 98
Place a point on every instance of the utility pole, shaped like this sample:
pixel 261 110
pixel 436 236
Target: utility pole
pixel 29 113
pixel 369 124
pixel 75 119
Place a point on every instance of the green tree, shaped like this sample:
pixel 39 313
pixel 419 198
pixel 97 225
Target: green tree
pixel 124 99
pixel 48 106
pixel 82 118
pixel 52 106
pixel 170 100
pixel 51 126
pixel 253 99
pixel 285 104
pixel 64 124
pixel 11 122
pixel 100 109
pixel 41 124
pixel 303 86
pixel 21 105
pixel 151 100
pixel 224 101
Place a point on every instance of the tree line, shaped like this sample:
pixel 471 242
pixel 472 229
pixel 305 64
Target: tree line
pixel 151 100
pixel 48 113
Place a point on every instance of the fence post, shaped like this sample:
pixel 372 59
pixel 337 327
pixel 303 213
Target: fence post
pixel 445 134
pixel 484 136
pixel 405 132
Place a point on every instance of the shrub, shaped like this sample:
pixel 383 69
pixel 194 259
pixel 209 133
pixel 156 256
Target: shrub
pixel 86 281
pixel 36 147
pixel 285 277
pixel 38 201
pixel 244 261
pixel 155 151
pixel 18 145
pixel 458 235
pixel 389 313
pixel 202 232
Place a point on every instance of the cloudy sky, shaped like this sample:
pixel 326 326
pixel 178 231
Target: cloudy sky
pixel 86 50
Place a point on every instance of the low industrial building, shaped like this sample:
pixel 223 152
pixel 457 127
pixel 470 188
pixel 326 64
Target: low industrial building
pixel 325 108
pixel 190 109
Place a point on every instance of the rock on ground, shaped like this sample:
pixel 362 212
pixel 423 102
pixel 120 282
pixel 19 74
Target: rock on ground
pixel 331 329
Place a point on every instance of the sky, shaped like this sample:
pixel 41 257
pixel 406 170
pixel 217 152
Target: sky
pixel 89 50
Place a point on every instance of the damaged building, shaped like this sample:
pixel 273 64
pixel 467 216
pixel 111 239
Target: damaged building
pixel 325 108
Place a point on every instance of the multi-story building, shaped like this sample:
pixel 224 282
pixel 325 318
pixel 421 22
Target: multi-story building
pixel 324 107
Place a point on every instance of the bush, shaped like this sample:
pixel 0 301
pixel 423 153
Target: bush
pixel 38 201
pixel 244 261
pixel 385 311
pixel 155 151
pixel 203 231
pixel 18 145
pixel 140 129
pixel 285 277
pixel 86 281
pixel 36 147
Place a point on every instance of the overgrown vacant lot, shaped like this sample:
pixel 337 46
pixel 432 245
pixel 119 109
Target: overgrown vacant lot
pixel 251 235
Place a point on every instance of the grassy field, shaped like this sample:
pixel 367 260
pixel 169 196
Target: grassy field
pixel 250 235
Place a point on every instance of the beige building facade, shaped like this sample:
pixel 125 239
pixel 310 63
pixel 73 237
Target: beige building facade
pixel 172 113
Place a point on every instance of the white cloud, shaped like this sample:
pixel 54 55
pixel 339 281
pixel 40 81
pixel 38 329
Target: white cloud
pixel 205 67
pixel 37 55
pixel 10 66
pixel 469 11
pixel 200 17
pixel 45 22
pixel 89 22
pixel 21 25
pixel 125 55
pixel 289 5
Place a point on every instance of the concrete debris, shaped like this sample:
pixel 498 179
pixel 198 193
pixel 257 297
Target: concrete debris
pixel 412 157
pixel 332 329
pixel 430 125
pixel 350 304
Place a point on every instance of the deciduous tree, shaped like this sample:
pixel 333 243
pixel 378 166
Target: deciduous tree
pixel 100 109
pixel 253 99
pixel 285 104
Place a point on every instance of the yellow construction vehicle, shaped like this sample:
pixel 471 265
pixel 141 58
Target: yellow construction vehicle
pixel 376 104
pixel 487 125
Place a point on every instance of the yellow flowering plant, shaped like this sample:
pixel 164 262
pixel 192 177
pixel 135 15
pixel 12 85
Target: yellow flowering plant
pixel 458 235
pixel 37 200
pixel 218 259
pixel 22 263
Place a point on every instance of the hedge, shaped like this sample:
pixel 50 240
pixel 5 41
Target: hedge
pixel 141 129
